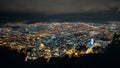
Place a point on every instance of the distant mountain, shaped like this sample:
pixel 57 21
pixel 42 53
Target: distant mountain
pixel 88 17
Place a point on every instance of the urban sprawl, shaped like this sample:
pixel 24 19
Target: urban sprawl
pixel 57 39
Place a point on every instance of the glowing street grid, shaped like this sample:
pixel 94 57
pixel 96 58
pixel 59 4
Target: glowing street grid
pixel 57 39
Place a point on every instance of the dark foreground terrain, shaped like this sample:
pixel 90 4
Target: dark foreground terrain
pixel 109 59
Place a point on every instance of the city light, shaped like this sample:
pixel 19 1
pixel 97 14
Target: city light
pixel 71 39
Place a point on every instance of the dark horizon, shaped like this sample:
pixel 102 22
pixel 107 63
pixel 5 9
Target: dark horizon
pixel 59 11
pixel 112 15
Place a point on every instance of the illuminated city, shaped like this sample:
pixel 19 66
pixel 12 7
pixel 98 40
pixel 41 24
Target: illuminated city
pixel 59 33
pixel 58 39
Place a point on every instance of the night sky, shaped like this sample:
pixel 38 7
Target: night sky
pixel 57 9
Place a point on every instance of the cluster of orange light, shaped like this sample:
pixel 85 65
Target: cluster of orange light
pixel 70 52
